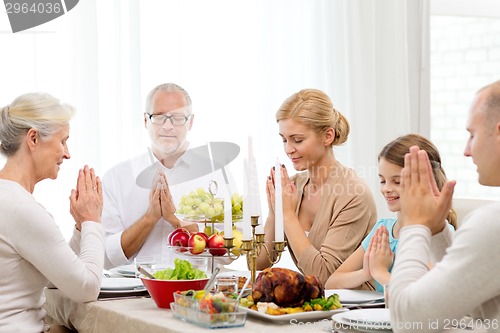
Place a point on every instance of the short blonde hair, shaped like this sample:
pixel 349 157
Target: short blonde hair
pixel 313 108
pixel 40 111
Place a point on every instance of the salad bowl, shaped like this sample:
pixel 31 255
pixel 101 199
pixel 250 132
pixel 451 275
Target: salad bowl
pixel 162 291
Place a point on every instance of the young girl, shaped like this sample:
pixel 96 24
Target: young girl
pixel 374 258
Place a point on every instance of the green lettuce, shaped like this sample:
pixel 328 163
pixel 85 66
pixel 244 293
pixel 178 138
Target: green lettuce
pixel 183 271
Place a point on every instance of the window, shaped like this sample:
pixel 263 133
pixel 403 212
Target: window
pixel 465 55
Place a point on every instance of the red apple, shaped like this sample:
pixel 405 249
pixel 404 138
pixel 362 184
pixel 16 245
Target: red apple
pixel 173 233
pixel 180 239
pixel 216 245
pixel 196 244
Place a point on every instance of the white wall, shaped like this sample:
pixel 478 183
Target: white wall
pixel 465 55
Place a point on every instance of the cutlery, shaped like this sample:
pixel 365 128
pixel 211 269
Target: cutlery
pixel 145 272
pixel 211 281
pixel 361 305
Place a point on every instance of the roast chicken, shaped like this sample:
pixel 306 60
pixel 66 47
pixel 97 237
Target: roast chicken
pixel 286 288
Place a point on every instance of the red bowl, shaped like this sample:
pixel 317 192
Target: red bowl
pixel 162 291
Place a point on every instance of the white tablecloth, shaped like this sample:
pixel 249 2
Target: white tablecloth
pixel 142 315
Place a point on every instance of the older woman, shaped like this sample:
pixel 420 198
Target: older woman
pixel 34 129
pixel 327 208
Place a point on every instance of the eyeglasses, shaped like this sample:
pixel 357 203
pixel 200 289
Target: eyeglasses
pixel 160 119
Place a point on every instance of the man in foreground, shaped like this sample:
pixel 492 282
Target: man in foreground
pixel 465 279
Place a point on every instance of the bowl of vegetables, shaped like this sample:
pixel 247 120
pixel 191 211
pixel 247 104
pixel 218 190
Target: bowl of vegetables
pixel 182 277
pixel 207 309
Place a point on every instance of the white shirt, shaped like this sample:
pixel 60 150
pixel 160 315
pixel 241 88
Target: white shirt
pixel 33 252
pixel 464 280
pixel 126 199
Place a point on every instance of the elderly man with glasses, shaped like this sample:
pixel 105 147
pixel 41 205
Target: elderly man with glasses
pixel 139 211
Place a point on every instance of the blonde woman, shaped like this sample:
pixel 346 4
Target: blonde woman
pixel 327 208
pixel 34 130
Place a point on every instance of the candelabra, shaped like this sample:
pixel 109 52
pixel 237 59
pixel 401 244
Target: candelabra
pixel 253 248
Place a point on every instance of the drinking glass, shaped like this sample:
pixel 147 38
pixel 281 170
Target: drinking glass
pixel 200 263
pixel 145 262
pixel 227 284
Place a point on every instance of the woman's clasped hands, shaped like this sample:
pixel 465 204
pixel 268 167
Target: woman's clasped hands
pixel 288 188
pixel 86 199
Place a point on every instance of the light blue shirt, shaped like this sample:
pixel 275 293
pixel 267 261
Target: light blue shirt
pixel 393 242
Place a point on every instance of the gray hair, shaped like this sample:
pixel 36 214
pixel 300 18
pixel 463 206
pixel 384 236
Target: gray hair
pixel 165 87
pixel 40 111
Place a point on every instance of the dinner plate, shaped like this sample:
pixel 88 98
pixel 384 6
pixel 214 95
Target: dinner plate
pixel 364 320
pixel 368 318
pixel 104 294
pixel 123 292
pixel 348 296
pixel 299 316
pixel 125 270
pixel 121 284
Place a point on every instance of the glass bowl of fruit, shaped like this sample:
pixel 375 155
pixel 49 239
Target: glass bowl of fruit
pixel 203 206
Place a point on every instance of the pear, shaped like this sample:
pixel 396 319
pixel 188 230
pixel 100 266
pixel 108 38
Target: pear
pixel 237 241
pixel 238 236
pixel 208 230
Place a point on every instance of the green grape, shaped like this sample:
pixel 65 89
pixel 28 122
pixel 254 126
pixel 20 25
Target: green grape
pixel 237 201
pixel 218 207
pixel 189 201
pixel 211 211
pixel 234 198
pixel 201 203
pixel 183 199
pixel 204 206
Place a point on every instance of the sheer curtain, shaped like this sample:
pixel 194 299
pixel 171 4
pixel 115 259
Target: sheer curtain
pixel 87 58
pixel 381 76
pixel 238 59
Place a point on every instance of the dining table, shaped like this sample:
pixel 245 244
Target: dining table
pixel 140 314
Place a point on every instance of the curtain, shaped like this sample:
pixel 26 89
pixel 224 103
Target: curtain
pixel 381 77
pixel 86 58
pixel 238 59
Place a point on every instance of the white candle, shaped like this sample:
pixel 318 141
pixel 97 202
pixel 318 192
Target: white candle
pixel 278 204
pixel 254 187
pixel 247 204
pixel 228 216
